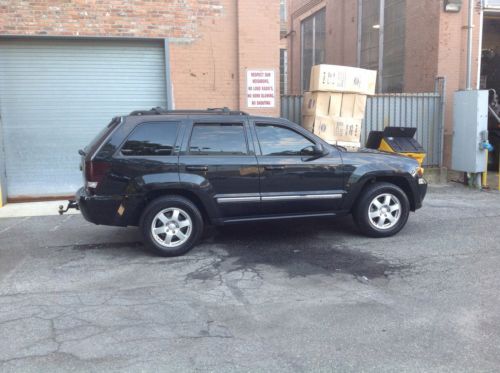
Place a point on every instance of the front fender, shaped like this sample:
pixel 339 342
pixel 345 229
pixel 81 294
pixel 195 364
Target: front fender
pixel 362 168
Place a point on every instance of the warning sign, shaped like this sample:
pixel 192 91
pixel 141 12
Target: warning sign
pixel 260 88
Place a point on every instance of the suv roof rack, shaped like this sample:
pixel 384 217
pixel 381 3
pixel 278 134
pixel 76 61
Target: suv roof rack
pixel 159 111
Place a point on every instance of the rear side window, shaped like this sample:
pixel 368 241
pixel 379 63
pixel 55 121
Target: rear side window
pixel 101 136
pixel 218 139
pixel 151 139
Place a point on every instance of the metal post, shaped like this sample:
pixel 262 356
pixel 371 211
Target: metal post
pixel 480 49
pixel 168 80
pixel 3 182
pixel 440 87
pixel 468 78
pixel 360 30
pixel 381 44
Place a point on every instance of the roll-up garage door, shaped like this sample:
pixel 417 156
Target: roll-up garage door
pixel 56 95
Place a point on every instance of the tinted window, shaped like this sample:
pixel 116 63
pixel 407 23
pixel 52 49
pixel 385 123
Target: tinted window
pixel 275 140
pixel 151 139
pixel 218 139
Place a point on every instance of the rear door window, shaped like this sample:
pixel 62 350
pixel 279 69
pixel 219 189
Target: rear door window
pixel 151 139
pixel 218 139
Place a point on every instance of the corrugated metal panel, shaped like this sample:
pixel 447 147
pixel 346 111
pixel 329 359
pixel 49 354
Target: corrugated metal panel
pixel 291 108
pixel 56 95
pixel 420 110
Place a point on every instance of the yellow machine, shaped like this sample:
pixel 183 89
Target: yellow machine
pixel 397 140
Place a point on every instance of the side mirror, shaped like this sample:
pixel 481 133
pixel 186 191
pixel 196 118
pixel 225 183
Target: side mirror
pixel 313 151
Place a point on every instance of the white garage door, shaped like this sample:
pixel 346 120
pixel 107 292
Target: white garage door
pixel 56 95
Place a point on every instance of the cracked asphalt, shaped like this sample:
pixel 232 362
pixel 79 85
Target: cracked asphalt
pixel 270 297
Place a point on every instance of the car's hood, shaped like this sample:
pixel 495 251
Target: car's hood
pixel 376 157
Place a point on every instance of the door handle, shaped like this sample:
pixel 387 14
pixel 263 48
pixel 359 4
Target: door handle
pixel 197 168
pixel 274 167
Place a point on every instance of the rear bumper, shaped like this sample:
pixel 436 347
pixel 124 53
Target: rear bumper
pixel 107 210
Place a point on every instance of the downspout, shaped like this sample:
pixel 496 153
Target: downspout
pixel 468 77
pixel 238 70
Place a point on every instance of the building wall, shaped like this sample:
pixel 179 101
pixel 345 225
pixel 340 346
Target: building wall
pixel 421 45
pixel 212 41
pixel 341 34
pixel 452 54
pixel 258 45
pixel 435 45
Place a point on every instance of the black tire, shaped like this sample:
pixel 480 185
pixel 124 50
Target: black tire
pixel 174 203
pixel 363 208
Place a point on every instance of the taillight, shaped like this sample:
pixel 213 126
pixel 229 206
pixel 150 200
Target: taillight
pixel 95 172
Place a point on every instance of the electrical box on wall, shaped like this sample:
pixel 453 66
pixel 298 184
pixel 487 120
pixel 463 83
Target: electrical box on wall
pixel 470 129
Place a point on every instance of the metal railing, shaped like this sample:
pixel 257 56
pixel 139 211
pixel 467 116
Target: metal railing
pixel 425 111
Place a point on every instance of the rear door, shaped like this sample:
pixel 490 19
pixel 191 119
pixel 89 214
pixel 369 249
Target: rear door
pixel 218 161
pixel 148 158
pixel 292 183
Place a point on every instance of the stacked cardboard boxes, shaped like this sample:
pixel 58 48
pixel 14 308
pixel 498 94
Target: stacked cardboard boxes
pixel 335 106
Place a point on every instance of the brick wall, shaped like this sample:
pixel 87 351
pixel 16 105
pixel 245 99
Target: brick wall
pixel 212 41
pixel 452 62
pixel 258 45
pixel 177 19
pixel 421 45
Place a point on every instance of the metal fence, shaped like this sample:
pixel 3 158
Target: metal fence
pixel 425 111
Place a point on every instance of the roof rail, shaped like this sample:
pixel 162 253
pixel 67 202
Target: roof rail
pixel 159 111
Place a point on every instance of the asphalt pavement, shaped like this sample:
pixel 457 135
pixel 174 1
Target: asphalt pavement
pixel 269 297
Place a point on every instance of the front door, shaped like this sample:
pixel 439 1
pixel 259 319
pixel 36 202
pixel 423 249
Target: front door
pixel 291 182
pixel 219 160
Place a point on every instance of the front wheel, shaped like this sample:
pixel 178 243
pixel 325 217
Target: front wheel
pixel 171 225
pixel 382 210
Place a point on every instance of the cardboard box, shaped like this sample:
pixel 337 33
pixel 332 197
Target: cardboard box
pixel 335 104
pixel 321 103
pixel 334 78
pixel 353 106
pixel 337 129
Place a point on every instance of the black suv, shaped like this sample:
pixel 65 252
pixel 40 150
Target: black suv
pixel 172 172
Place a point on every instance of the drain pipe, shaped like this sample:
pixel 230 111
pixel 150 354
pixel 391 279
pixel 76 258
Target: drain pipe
pixel 468 78
pixel 476 177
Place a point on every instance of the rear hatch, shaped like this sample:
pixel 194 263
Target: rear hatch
pixel 92 170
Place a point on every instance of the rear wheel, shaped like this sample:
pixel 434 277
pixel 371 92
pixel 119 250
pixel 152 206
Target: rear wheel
pixel 382 210
pixel 171 225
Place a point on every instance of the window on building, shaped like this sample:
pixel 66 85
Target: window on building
pixel 218 139
pixel 283 15
pixel 151 139
pixel 283 71
pixel 387 55
pixel 313 35
pixel 492 4
pixel 276 140
pixel 370 25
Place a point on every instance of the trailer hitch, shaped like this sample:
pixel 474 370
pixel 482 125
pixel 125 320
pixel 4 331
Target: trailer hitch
pixel 72 204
